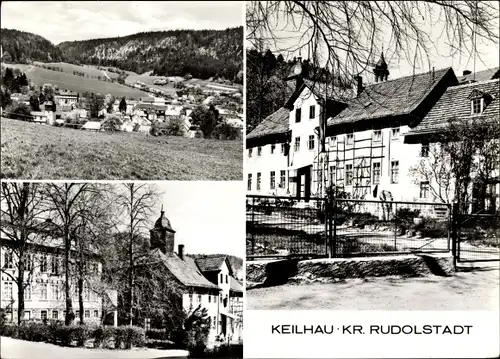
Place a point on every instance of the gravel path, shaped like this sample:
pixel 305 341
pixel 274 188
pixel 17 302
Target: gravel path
pixel 465 290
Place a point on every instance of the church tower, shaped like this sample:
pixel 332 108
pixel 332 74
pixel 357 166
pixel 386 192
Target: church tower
pixel 380 70
pixel 162 235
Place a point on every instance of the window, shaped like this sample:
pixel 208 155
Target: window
pixel 273 180
pixel 43 291
pixel 77 314
pixel 226 278
pixel 395 133
pixel 424 189
pixel 311 142
pixel 7 259
pixel 43 263
pixel 297 144
pixel 298 115
pixel 209 298
pixel 376 172
pixel 333 174
pixel 27 315
pixel 199 298
pixel 283 148
pixel 348 174
pixel 258 183
pixel 54 265
pixel 249 185
pixel 55 314
pixel 28 262
pixel 86 294
pixel 312 111
pixel 394 171
pixel 259 151
pixel 333 141
pixel 87 313
pixel 273 147
pixel 221 278
pixel 27 293
pixel 350 139
pixel 214 322
pixel 249 152
pixel 282 179
pixel 424 152
pixel 7 290
pixel 377 136
pixel 43 315
pixel 476 106
pixel 96 314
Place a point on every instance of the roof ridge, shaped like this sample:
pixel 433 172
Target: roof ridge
pixel 409 76
pixel 472 84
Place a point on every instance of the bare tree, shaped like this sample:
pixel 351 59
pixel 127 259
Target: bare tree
pixel 137 202
pixel 350 33
pixel 21 209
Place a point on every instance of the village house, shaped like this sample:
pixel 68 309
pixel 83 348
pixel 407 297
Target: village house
pixel 364 153
pixel 44 277
pixel 197 289
pixel 66 100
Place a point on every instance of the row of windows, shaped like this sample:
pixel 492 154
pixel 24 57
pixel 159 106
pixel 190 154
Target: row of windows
pixel 221 281
pixel 272 180
pixel 298 113
pixel 44 263
pixel 45 291
pixel 349 141
pixel 55 314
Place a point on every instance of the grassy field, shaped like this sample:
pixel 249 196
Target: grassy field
pixel 68 81
pixel 88 70
pixel 33 151
pixel 149 80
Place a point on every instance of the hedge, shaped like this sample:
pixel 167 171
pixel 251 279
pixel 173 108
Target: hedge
pixel 71 335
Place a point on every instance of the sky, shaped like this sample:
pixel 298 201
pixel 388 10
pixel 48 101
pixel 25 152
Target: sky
pixel 441 55
pixel 208 217
pixel 60 21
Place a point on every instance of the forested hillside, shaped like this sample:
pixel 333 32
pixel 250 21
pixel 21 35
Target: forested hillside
pixel 21 47
pixel 203 54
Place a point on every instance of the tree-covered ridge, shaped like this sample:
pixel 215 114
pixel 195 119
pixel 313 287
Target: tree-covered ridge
pixel 203 53
pixel 21 47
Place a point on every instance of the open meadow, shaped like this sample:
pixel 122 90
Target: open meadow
pixel 92 71
pixel 68 81
pixel 33 151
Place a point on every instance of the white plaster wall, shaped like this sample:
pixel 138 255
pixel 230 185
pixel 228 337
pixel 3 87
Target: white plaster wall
pixel 265 163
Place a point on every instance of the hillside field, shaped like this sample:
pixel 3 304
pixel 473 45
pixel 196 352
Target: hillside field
pixel 32 151
pixel 92 71
pixel 68 81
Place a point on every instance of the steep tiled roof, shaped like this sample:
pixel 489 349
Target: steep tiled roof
pixel 235 285
pixel 209 262
pixel 455 103
pixel 389 98
pixel 481 76
pixel 185 270
pixel 275 123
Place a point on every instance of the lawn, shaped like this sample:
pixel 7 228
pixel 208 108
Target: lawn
pixel 33 151
pixel 68 81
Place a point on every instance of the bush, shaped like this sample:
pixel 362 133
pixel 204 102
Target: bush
pixel 35 332
pixel 102 335
pixel 129 336
pixel 225 131
pixel 157 334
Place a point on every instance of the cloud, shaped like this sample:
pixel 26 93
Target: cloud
pixel 69 21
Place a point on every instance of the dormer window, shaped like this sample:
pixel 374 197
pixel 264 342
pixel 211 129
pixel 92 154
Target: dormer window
pixel 476 106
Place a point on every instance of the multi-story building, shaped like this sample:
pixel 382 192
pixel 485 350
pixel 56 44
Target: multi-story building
pixel 364 152
pixel 44 281
pixel 200 283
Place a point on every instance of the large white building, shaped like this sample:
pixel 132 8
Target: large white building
pixel 365 152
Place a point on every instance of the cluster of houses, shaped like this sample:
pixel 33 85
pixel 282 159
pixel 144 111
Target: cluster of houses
pixel 139 115
pixel 208 281
pixel 373 134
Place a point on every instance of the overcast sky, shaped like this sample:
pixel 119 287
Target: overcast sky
pixel 60 21
pixel 441 55
pixel 208 217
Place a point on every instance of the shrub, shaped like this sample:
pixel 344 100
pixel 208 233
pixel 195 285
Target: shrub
pixel 35 332
pixel 157 334
pixel 134 336
pixel 102 335
pixel 225 131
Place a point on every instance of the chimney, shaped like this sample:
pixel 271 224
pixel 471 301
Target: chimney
pixel 467 72
pixel 180 251
pixel 359 84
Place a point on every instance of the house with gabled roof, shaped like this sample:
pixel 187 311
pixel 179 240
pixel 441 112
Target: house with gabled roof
pixel 194 276
pixel 363 152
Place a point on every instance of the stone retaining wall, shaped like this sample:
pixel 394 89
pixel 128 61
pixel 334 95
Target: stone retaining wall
pixel 276 272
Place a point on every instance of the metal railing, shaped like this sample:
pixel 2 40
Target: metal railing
pixel 478 237
pixel 285 227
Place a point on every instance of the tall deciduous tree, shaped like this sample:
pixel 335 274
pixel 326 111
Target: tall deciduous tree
pixel 21 211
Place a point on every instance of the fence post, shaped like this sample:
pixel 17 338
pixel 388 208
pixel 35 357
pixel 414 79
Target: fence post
pixel 253 224
pixel 327 228
pixel 334 229
pixel 395 216
pixel 455 246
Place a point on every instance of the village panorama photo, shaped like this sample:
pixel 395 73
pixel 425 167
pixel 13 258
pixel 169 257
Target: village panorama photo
pixel 121 270
pixel 372 155
pixel 115 90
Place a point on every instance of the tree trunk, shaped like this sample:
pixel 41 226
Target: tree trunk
pixel 67 288
pixel 80 298
pixel 20 291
